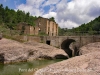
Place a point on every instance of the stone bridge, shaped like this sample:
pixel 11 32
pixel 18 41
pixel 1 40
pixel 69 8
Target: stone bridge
pixel 70 44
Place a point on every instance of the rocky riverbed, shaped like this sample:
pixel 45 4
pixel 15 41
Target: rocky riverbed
pixel 86 64
pixel 12 51
pixel 92 47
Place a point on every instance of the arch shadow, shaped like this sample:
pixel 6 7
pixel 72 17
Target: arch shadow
pixel 2 59
pixel 60 56
pixel 65 46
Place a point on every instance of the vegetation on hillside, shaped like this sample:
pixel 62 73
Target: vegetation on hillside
pixel 9 18
pixel 91 28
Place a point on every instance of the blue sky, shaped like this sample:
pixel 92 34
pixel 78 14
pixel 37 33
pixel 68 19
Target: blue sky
pixel 67 13
pixel 12 3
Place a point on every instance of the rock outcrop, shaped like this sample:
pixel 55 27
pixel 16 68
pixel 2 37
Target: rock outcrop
pixel 14 51
pixel 88 64
pixel 92 47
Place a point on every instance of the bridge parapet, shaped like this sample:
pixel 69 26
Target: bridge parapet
pixel 81 40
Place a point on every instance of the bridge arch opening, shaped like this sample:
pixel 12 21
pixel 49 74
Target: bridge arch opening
pixel 65 46
pixel 48 42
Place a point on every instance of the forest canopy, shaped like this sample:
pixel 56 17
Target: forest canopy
pixel 10 18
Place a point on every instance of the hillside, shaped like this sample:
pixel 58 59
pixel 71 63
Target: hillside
pixel 9 18
pixel 93 27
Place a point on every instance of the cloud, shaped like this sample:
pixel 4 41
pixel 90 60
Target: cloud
pixel 4 0
pixel 76 12
pixel 32 6
pixel 50 2
pixel 67 24
pixel 94 11
pixel 50 14
pixel 67 13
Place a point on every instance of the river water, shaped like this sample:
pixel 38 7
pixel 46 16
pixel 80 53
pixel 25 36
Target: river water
pixel 25 68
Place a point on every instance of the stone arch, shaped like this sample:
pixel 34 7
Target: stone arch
pixel 65 46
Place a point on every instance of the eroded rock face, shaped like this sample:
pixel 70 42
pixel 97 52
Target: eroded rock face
pixel 88 64
pixel 14 51
pixel 0 36
pixel 92 47
pixel 2 59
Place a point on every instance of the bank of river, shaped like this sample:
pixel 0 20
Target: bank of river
pixel 25 68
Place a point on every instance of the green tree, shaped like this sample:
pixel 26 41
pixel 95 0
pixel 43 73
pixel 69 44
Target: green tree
pixel 90 31
pixel 61 31
pixel 1 13
pixel 27 17
pixel 52 19
pixel 20 16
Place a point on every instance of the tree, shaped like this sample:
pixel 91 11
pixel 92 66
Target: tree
pixel 21 16
pixel 61 31
pixel 27 17
pixel 90 31
pixel 52 19
pixel 1 13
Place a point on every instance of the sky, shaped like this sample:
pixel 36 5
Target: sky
pixel 67 13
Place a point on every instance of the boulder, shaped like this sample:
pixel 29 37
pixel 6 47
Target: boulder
pixel 15 51
pixel 92 47
pixel 87 64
